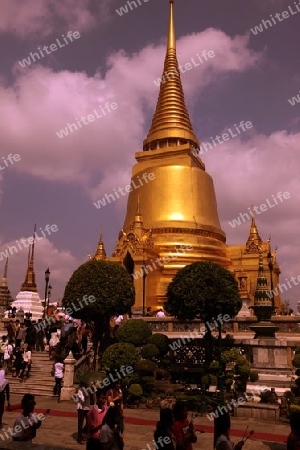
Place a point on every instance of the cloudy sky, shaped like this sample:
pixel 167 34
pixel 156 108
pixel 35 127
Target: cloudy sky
pixel 116 58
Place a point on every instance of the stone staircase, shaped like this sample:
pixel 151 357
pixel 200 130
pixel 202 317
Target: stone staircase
pixel 40 381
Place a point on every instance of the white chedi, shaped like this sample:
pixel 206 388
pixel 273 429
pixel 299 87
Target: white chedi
pixel 29 302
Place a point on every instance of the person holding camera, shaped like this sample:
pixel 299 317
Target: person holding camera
pixel 182 429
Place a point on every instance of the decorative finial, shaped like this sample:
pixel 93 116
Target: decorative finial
pixel 171 125
pixel 171 34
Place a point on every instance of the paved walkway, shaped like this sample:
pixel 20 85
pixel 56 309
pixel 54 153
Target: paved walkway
pixel 58 430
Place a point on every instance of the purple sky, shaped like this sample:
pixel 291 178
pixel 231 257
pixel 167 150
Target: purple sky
pixel 116 59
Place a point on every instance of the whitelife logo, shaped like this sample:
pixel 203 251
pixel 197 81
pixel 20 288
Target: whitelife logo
pixel 292 101
pixel 261 208
pixel 187 66
pixel 29 241
pixel 199 334
pixel 128 188
pixel 90 118
pixel 268 23
pixel 124 9
pixel 53 47
pixel 11 158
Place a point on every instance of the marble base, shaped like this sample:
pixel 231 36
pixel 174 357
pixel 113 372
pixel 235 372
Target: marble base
pixel 271 354
pixel 29 301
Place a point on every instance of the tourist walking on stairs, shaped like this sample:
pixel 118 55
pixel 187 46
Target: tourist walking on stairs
pixel 58 373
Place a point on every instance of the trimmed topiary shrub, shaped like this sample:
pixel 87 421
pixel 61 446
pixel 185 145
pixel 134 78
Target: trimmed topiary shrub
pixel 149 351
pixel 134 331
pixel 161 341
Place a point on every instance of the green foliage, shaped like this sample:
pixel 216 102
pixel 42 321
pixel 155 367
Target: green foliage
pixel 198 288
pixel 297 372
pixel 296 360
pixel 117 355
pixel 161 341
pixel 134 331
pixel 228 382
pixel 254 376
pixel 230 356
pixel 149 351
pixel 108 282
pixel 242 367
pixel 146 367
pixel 135 390
pixel 214 367
pixel 294 408
pixel 297 382
pixel 265 396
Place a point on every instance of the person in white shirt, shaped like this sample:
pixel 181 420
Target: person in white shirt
pixel 8 355
pixel 83 407
pixel 58 370
pixel 160 313
pixel 26 361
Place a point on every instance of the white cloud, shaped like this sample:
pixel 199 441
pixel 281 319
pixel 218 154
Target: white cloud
pixel 44 17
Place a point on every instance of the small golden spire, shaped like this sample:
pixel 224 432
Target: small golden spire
pixel 4 279
pixel 100 254
pixel 253 235
pixel 29 283
pixel 5 269
pixel 171 124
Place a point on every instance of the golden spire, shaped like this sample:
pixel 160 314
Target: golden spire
pixel 171 125
pixel 29 283
pixel 253 235
pixel 100 254
pixel 4 279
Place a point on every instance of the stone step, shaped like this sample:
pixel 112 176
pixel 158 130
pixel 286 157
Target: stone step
pixel 43 382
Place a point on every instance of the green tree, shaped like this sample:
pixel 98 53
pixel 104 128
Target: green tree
pixel 202 290
pixel 118 355
pixel 96 291
pixel 161 341
pixel 134 331
pixel 149 351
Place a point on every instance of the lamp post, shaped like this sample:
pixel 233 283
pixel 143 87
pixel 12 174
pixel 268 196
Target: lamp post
pixel 221 368
pixel 48 298
pixel 144 287
pixel 47 276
